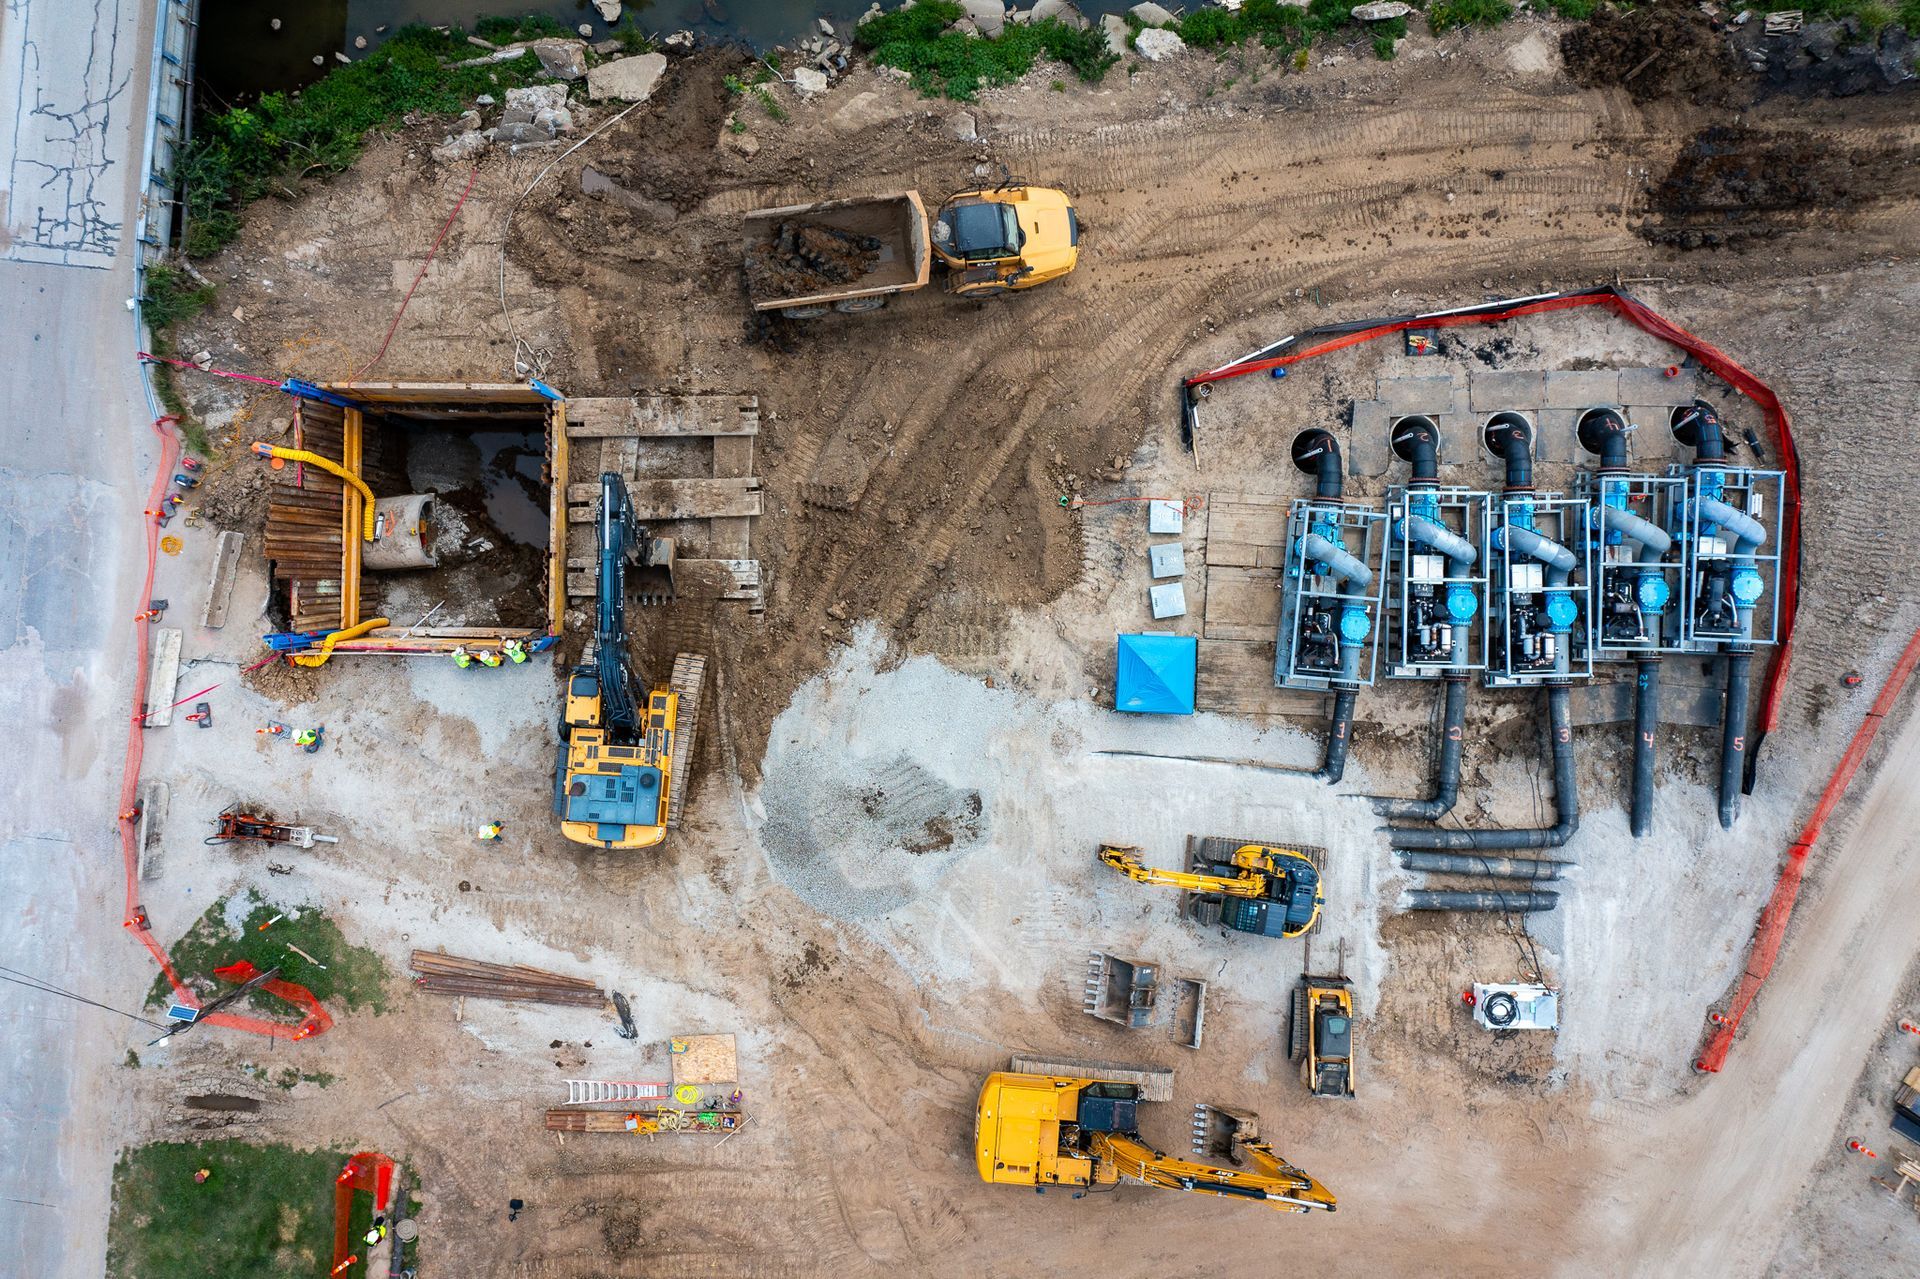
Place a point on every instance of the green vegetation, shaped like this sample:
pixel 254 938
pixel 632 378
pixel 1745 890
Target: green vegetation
pixel 1578 10
pixel 956 65
pixel 171 297
pixel 289 1077
pixel 534 26
pixel 632 39
pixel 243 153
pixel 1281 27
pixel 1445 15
pixel 353 977
pixel 265 1212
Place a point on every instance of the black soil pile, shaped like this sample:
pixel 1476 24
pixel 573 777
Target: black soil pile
pixel 1734 186
pixel 1663 50
pixel 799 259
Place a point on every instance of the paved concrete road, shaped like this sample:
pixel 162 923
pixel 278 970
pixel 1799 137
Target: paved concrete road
pixel 74 456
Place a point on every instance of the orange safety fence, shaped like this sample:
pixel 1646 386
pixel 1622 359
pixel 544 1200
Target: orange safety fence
pixel 367 1170
pixel 135 915
pixel 1771 930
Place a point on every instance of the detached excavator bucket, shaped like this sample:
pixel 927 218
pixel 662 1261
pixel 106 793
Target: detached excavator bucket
pixel 652 575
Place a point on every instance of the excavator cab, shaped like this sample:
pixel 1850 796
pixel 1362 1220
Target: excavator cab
pixel 1008 238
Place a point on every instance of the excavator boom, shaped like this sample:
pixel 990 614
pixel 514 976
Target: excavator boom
pixel 1276 1183
pixel 1128 863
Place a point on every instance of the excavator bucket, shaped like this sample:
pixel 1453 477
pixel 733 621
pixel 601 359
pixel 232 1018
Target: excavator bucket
pixel 652 574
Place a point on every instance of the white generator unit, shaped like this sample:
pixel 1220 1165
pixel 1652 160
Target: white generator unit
pixel 1516 1006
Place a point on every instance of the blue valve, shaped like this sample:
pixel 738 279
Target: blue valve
pixel 1561 610
pixel 1462 603
pixel 1653 592
pixel 1355 625
pixel 1748 586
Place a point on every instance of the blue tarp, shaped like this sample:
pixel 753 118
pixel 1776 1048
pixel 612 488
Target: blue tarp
pixel 1153 674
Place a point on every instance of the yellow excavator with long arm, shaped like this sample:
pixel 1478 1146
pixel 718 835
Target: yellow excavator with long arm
pixel 1261 888
pixel 1055 1130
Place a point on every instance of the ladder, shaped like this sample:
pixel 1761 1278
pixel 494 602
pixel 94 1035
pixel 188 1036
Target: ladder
pixel 585 1092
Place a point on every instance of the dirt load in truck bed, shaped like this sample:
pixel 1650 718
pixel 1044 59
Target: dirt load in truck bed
pixel 801 258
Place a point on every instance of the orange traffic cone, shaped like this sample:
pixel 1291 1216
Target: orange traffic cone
pixel 1858 1149
pixel 1909 1027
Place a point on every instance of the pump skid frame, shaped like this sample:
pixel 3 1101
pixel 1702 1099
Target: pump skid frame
pixel 1420 578
pixel 1707 553
pixel 1626 621
pixel 1311 651
pixel 1526 648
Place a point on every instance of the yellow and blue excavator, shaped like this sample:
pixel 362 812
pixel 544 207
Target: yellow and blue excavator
pixel 624 756
pixel 1263 889
pixel 1054 1130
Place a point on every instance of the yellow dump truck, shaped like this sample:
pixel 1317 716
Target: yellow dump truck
pixel 804 260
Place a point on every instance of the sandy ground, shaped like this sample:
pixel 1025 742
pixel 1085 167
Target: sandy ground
pixel 887 882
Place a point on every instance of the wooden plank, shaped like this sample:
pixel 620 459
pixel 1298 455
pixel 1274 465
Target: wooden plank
pixel 1242 603
pixel 705 580
pixel 1235 676
pixel 438 392
pixel 1242 522
pixel 663 416
pixel 575 1120
pixel 557 462
pixel 1244 555
pixel 351 519
pixel 709 1059
pixel 673 499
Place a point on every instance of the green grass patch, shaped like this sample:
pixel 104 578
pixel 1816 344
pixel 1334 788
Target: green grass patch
pixel 244 153
pixel 353 978
pixel 1445 15
pixel 953 64
pixel 1578 10
pixel 172 297
pixel 532 26
pixel 266 1212
pixel 1280 27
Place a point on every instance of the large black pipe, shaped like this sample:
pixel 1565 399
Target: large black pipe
pixel 1646 722
pixel 1518 903
pixel 1733 736
pixel 1416 439
pixel 1316 452
pixel 1700 429
pixel 1446 789
pixel 1510 435
pixel 1481 864
pixel 1566 797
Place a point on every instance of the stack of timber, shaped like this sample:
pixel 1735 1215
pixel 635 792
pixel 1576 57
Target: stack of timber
pixel 688 463
pixel 451 975
pixel 305 534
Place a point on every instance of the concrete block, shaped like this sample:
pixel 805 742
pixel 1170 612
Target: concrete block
pixel 1497 389
pixel 1582 388
pixel 1406 395
pixel 1167 601
pixel 1653 386
pixel 154 798
pixel 226 563
pixel 1167 560
pixel 1556 437
pixel 162 674
pixel 1651 445
pixel 1164 517
pixel 1368 453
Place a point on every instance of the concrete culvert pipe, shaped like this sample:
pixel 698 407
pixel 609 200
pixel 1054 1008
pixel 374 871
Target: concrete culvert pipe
pixel 400 534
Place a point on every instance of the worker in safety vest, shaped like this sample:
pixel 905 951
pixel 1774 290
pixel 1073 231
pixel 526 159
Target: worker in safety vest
pixel 306 737
pixel 462 658
pixel 376 1232
pixel 516 651
pixel 491 831
pixel 488 657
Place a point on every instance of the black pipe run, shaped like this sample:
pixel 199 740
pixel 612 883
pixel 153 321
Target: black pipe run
pixel 1318 454
pixel 1566 796
pixel 1700 428
pixel 1481 864
pixel 1646 722
pixel 1446 790
pixel 1494 900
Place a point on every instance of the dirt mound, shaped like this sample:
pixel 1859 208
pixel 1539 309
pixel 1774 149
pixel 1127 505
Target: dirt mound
pixel 800 259
pixel 1733 185
pixel 1665 50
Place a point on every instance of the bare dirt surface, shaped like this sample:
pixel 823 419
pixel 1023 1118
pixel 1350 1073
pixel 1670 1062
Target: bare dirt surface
pixel 886 883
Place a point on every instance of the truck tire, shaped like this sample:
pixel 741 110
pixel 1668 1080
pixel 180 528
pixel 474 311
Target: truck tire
pixel 859 306
pixel 804 312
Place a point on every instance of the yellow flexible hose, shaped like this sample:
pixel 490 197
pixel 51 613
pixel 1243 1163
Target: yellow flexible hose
pixel 332 468
pixel 334 637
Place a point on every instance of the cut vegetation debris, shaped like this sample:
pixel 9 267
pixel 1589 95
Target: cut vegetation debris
pixel 301 941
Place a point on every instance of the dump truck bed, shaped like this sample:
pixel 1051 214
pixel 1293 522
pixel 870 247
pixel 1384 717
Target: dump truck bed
pixel 885 234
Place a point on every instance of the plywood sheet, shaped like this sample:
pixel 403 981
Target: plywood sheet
pixel 709 1059
pixel 1236 677
pixel 1242 603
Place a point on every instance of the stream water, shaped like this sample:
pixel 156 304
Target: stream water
pixel 240 55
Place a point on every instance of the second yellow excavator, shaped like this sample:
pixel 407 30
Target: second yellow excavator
pixel 1263 889
pixel 1054 1130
